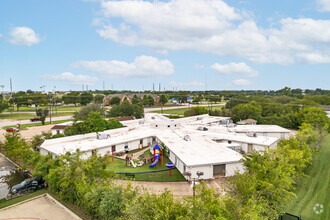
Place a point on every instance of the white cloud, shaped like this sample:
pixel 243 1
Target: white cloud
pixel 235 69
pixel 1 35
pixel 241 82
pixel 71 78
pixel 143 66
pixel 198 66
pixel 23 36
pixel 193 83
pixel 212 26
pixel 324 5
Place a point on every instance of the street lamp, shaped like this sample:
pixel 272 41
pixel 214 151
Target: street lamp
pixel 188 174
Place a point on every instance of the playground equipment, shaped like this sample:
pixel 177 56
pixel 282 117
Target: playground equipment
pixel 157 155
pixel 170 165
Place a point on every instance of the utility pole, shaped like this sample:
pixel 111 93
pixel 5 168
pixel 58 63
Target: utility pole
pixel 159 87
pixel 103 85
pixel 2 86
pixel 11 88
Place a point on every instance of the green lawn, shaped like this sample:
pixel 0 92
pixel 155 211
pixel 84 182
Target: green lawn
pixel 69 108
pixel 316 189
pixel 24 126
pixel 56 114
pixel 5 203
pixel 120 166
pixel 21 116
pixel 17 116
pixel 180 111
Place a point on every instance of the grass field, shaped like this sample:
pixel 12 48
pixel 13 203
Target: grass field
pixel 33 109
pixel 17 116
pixel 120 166
pixel 316 189
pixel 180 111
pixel 21 116
pixel 24 126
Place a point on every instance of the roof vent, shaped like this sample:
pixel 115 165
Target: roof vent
pixel 186 138
pixel 101 136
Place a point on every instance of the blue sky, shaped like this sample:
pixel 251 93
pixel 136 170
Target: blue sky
pixel 182 44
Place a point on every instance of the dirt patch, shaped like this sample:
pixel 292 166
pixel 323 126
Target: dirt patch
pixel 30 132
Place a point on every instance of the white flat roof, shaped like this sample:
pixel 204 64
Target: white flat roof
pixel 260 128
pixel 201 149
pixel 219 134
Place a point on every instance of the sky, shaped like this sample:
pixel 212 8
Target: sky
pixel 180 44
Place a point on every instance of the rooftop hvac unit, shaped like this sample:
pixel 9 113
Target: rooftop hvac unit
pixel 186 138
pixel 102 136
pixel 251 134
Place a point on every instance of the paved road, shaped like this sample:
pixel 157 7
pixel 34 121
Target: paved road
pixel 146 110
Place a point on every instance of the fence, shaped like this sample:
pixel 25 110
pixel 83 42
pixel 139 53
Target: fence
pixel 152 176
pixel 288 216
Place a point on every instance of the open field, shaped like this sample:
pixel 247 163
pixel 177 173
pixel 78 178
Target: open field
pixel 316 189
pixel 33 109
pixel 17 116
pixel 180 111
pixel 24 126
pixel 21 116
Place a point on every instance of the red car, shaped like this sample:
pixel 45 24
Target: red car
pixel 11 129
pixel 35 119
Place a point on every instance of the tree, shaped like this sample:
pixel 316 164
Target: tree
pixel 115 101
pixel 245 111
pixel 86 98
pixel 151 100
pixel 20 98
pixel 163 100
pixel 136 100
pixel 3 105
pixel 145 100
pixel 42 113
pixel 82 114
pixel 126 109
pixel 71 98
pixel 38 99
pixel 99 99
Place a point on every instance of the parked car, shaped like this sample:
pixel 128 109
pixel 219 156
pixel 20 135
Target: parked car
pixel 35 119
pixel 11 129
pixel 28 185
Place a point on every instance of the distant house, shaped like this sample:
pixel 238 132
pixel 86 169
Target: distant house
pixel 59 128
pixel 190 100
pixel 129 97
pixel 173 100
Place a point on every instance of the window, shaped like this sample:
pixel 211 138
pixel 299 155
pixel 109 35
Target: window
pixel 168 126
pixel 156 126
pixel 93 152
pixel 141 141
pixel 229 142
pixel 113 148
pixel 57 131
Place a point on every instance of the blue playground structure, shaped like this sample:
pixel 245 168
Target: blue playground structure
pixel 156 155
